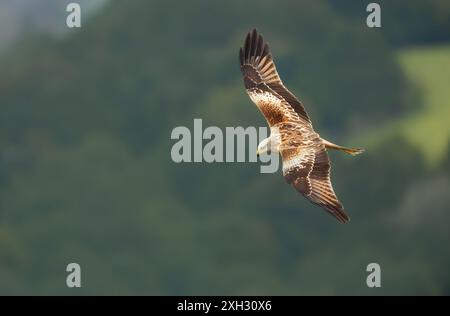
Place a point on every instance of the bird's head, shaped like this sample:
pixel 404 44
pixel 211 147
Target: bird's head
pixel 263 147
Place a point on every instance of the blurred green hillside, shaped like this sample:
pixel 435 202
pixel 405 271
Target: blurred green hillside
pixel 428 69
pixel 86 174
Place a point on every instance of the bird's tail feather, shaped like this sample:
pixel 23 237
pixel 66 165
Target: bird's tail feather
pixel 350 151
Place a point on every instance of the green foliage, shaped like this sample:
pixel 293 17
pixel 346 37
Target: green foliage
pixel 405 22
pixel 86 174
pixel 428 69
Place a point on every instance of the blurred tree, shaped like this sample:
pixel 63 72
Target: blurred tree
pixel 86 175
pixel 405 22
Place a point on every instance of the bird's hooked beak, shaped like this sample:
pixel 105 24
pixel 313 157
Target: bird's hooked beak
pixel 260 152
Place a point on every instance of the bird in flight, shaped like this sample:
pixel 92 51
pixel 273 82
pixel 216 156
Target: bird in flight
pixel 306 165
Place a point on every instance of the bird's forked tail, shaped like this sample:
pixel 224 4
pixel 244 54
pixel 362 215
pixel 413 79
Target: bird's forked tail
pixel 350 151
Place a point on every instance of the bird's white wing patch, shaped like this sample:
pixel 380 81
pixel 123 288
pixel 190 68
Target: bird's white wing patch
pixel 304 157
pixel 264 98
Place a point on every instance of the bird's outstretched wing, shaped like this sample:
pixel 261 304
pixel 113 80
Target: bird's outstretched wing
pixel 264 86
pixel 305 161
pixel 307 169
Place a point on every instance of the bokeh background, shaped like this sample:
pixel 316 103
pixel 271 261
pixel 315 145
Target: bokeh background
pixel 85 168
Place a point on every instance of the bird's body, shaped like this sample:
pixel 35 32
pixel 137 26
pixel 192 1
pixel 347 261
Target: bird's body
pixel 306 165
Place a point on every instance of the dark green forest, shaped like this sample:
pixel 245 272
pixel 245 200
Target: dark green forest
pixel 86 174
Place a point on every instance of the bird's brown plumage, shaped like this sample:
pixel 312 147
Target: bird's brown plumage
pixel 306 165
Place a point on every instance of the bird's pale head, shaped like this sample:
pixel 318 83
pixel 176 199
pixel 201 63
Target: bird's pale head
pixel 263 147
